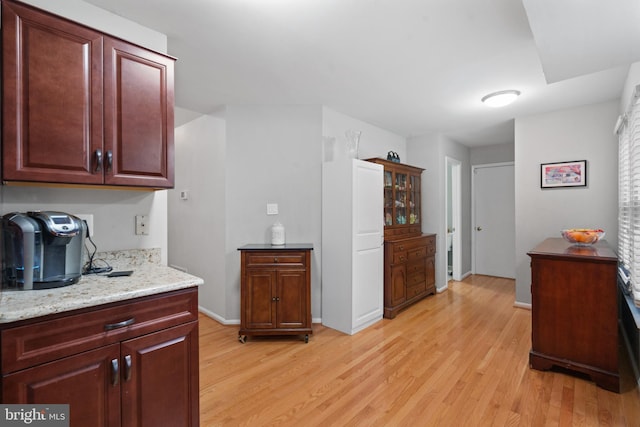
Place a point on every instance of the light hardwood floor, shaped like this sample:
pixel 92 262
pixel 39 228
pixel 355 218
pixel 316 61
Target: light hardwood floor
pixel 456 358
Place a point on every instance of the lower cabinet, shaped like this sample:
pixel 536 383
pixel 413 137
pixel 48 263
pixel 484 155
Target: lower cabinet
pixel 145 373
pixel 275 292
pixel 409 272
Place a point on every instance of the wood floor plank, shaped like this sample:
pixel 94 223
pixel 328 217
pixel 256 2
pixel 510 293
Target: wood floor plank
pixel 455 358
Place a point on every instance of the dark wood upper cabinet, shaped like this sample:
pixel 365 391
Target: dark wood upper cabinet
pixel 82 107
pixel 138 115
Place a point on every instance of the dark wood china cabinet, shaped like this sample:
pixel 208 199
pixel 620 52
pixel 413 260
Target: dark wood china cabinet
pixel 409 255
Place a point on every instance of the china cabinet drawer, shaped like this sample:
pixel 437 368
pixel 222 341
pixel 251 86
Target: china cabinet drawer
pixel 417 253
pixel 416 278
pixel 259 259
pixel 416 267
pixel 47 340
pixel 414 291
pixel 431 245
pixel 400 258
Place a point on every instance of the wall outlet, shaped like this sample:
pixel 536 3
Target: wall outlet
pixel 142 227
pixel 89 219
pixel 272 209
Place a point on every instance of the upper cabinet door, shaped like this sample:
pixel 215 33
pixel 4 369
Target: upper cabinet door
pixel 52 98
pixel 139 98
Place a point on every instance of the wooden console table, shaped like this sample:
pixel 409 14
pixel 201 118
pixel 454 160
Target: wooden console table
pixel 575 310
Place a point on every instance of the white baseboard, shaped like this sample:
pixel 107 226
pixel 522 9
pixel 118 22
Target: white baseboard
pixel 224 321
pixel 522 305
pixel 218 318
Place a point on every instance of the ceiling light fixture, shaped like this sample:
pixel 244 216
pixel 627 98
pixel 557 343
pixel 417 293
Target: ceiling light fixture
pixel 501 98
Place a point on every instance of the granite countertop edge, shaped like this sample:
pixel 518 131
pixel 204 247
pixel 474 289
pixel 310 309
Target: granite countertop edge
pixel 93 290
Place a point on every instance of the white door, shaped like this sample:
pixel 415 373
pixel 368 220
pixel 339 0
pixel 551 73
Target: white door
pixel 494 220
pixel 368 238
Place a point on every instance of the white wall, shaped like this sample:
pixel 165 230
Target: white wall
pixel 584 133
pixel 273 155
pixel 429 152
pixel 374 141
pixel 496 153
pixel 102 20
pixel 232 168
pixel 114 210
pixel 197 225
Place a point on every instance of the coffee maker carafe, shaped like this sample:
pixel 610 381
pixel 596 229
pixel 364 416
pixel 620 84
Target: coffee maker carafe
pixel 41 249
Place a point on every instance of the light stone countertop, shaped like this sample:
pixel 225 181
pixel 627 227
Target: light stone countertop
pixel 91 290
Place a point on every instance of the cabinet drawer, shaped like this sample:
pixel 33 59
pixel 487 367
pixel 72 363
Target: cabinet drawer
pixel 416 278
pixel 399 258
pixel 414 291
pixel 416 253
pixel 261 259
pixel 431 245
pixel 416 267
pixel 36 343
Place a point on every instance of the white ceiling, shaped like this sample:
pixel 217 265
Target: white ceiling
pixel 409 66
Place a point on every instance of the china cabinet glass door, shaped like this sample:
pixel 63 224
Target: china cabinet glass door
pixel 388 198
pixel 414 200
pixel 401 199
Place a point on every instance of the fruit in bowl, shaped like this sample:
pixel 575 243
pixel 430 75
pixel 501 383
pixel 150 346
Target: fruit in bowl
pixel 583 236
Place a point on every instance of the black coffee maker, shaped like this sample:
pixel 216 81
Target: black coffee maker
pixel 41 249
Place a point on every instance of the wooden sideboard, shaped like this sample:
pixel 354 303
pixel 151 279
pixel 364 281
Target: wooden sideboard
pixel 574 317
pixel 275 290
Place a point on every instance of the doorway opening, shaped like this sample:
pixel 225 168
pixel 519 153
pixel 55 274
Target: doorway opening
pixel 453 220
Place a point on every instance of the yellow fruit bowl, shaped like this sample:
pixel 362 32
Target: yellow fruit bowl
pixel 582 236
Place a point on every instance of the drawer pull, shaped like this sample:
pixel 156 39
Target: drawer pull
pixel 275 259
pixel 115 371
pixel 127 367
pixel 112 326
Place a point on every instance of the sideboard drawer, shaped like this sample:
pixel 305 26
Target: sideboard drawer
pixel 288 258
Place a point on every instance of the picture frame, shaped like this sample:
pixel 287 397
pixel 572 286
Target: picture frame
pixel 563 174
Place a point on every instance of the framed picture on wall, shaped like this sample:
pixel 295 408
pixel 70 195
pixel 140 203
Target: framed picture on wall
pixel 563 174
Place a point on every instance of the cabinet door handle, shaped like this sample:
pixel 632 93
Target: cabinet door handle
pixel 115 371
pixel 98 160
pixel 109 160
pixel 111 326
pixel 127 367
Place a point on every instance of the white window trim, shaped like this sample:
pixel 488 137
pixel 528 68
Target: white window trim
pixel 628 130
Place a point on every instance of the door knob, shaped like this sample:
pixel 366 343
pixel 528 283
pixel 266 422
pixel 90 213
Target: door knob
pixel 479 228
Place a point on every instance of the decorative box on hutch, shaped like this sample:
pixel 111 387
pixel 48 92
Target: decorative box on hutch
pixel 409 255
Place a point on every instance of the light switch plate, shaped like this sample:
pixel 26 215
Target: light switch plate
pixel 272 209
